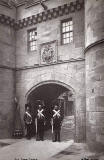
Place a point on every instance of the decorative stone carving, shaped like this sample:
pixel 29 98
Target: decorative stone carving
pixel 7 20
pixel 48 53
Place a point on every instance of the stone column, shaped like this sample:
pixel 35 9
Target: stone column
pixel 94 55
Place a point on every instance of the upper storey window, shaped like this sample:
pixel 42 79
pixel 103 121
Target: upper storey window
pixel 66 31
pixel 32 40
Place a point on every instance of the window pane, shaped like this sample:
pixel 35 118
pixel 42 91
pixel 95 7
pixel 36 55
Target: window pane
pixel 71 39
pixel 33 48
pixel 33 38
pixel 64 41
pixel 71 28
pixel 30 33
pixel 67 23
pixel 63 30
pixel 64 35
pixel 33 43
pixel 67 34
pixel 29 38
pixel 67 40
pixel 71 34
pixel 67 28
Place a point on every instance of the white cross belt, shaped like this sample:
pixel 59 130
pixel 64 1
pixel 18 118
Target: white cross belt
pixel 56 113
pixel 28 114
pixel 40 114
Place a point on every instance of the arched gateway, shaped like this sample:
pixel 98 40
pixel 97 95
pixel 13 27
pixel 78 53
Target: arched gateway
pixel 49 93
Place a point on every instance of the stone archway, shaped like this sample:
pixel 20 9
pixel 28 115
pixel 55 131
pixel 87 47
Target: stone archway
pixel 49 93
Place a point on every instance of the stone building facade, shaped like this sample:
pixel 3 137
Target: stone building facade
pixel 54 67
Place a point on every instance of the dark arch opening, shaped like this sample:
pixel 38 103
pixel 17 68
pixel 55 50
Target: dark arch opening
pixel 48 94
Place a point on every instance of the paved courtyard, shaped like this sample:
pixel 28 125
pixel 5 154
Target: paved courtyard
pixel 22 149
pixel 25 149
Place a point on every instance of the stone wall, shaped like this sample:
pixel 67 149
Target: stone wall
pixel 69 68
pixel 94 13
pixel 6 102
pixel 49 31
pixel 69 73
pixel 7 65
pixel 94 25
pixel 7 46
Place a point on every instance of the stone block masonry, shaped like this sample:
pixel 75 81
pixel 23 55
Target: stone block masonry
pixel 94 74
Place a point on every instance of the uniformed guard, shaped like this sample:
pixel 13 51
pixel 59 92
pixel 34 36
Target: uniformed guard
pixel 56 123
pixel 39 123
pixel 28 121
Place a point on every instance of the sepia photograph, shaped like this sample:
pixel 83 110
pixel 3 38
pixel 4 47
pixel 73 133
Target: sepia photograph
pixel 51 79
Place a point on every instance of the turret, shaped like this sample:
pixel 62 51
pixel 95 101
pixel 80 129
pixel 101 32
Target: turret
pixel 94 55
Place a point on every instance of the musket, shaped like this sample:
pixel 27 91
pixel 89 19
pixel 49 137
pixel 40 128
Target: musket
pixel 52 126
pixel 36 125
pixel 52 131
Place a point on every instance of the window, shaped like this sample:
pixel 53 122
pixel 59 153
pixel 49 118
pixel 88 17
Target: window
pixel 32 40
pixel 67 31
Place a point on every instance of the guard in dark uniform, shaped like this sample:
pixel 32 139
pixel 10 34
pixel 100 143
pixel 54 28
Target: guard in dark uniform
pixel 56 123
pixel 39 123
pixel 28 121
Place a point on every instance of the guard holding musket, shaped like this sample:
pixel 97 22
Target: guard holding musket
pixel 28 121
pixel 40 123
pixel 56 123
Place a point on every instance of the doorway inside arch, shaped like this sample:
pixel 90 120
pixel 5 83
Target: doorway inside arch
pixel 48 95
